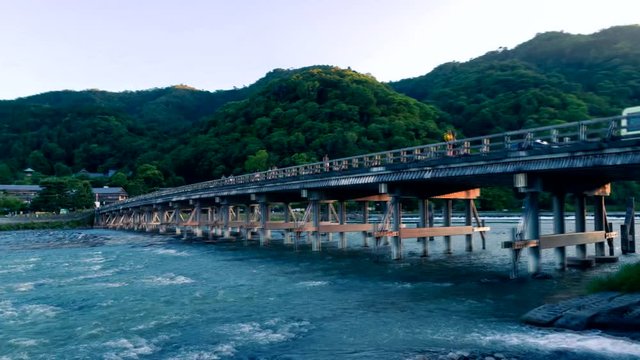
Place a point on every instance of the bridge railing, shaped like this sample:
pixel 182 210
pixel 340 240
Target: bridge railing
pixel 559 135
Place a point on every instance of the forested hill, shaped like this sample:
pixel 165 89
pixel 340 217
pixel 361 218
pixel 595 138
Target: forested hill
pixel 167 109
pixel 299 117
pixel 552 78
pixel 287 117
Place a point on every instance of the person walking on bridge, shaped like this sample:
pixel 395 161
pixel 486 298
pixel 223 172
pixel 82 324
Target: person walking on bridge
pixel 450 138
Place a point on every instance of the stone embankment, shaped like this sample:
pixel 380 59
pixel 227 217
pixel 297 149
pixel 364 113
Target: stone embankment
pixel 606 311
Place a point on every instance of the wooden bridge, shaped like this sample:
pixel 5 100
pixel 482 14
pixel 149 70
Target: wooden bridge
pixel 580 158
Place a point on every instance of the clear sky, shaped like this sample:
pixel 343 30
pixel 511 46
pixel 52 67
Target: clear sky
pixel 120 45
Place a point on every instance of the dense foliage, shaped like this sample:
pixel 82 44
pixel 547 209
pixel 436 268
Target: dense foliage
pixel 11 204
pixel 63 193
pixel 553 78
pixel 300 118
pixel 166 137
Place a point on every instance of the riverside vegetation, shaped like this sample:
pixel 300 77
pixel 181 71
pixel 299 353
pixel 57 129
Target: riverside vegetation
pixel 626 280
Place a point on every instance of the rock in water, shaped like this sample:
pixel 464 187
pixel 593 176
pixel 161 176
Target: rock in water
pixel 604 311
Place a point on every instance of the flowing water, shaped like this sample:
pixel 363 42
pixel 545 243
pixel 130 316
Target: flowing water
pixel 100 294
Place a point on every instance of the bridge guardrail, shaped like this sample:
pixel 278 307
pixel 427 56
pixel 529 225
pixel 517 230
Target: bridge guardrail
pixel 549 136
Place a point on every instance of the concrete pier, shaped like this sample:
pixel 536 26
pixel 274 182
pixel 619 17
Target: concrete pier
pixel 365 220
pixel 316 244
pixel 532 230
pixel 467 222
pixel 342 217
pixel 396 223
pixel 581 224
pixel 559 228
pixel 599 222
pixel 423 210
pixel 447 212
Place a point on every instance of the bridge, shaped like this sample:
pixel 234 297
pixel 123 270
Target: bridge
pixel 315 199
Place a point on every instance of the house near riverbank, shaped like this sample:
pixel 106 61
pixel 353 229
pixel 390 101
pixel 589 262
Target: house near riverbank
pixel 103 195
pixel 25 193
pixel 109 195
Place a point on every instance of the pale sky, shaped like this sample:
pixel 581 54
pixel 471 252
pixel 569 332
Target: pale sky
pixel 121 45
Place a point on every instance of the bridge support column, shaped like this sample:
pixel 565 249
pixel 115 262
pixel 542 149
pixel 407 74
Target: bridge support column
pixel 532 225
pixel 396 224
pixel 160 212
pixel 246 230
pixel 219 218
pixel 385 209
pixel 531 186
pixel 599 221
pixel 316 244
pixel 265 235
pixel 447 212
pixel 423 209
pixel 467 221
pixel 365 220
pixel 329 209
pixel 148 219
pixel 342 215
pixel 581 223
pixel 226 230
pixel 210 222
pixel 287 218
pixel 176 220
pixel 559 228
pixel 196 218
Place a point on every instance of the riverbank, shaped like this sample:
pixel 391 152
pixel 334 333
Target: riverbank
pixel 81 220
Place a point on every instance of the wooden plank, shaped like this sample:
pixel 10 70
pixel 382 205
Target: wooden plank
pixel 521 244
pixel 481 229
pixel 380 234
pixel 570 239
pixel 308 227
pixel 466 194
pixel 280 225
pixel 435 231
pixel 381 198
pixel 604 190
pixel 345 228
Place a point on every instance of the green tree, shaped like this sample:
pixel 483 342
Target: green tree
pixel 136 187
pixel 257 162
pixel 6 175
pixel 53 196
pixel 11 204
pixel 80 194
pixel 150 177
pixel 118 179
pixel 38 162
pixel 63 193
pixel 61 170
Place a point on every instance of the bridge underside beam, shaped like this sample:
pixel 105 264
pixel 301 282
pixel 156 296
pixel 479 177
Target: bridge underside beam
pixel 330 228
pixel 244 224
pixel 440 231
pixel 561 240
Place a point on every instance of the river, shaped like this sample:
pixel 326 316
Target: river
pixel 100 294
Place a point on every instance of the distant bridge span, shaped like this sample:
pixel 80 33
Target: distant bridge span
pixel 579 158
